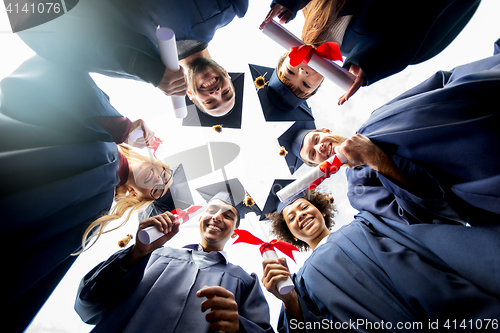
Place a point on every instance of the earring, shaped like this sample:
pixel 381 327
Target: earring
pixel 295 239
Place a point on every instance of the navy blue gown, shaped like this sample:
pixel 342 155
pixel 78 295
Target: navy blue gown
pixel 398 264
pixel 59 172
pixel 378 273
pixel 117 37
pixel 447 126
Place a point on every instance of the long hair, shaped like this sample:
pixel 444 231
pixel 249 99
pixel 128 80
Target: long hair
pixel 125 204
pixel 319 18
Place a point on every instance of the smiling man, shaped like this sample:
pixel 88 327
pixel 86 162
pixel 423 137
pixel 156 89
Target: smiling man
pixel 150 288
pixel 118 38
pixel 209 85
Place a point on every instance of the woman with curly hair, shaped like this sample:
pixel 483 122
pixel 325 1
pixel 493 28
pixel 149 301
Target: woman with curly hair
pixel 65 176
pixel 379 271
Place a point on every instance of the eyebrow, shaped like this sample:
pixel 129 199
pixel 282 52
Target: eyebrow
pixel 226 98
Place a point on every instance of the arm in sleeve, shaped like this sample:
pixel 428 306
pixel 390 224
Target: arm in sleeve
pixel 117 127
pixel 105 286
pixel 253 309
pixel 424 203
pixel 310 312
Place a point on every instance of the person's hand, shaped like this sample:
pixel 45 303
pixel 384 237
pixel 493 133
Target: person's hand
pixel 275 271
pixel 358 82
pixel 360 150
pixel 146 139
pixel 275 11
pixel 174 83
pixel 164 223
pixel 223 315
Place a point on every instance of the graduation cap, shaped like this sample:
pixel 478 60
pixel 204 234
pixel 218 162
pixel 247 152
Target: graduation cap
pixel 292 140
pixel 278 101
pixel 177 196
pixel 273 203
pixel 231 192
pixel 196 117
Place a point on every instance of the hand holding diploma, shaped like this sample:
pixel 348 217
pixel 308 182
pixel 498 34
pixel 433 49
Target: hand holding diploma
pixel 174 83
pixel 140 135
pixel 284 285
pixel 164 222
pixel 151 234
pixel 168 53
pixel 313 178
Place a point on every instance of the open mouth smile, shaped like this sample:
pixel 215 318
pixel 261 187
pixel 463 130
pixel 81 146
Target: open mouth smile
pixel 210 83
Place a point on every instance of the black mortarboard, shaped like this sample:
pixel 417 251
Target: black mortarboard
pixel 177 196
pixel 273 203
pixel 231 192
pixel 196 117
pixel 278 102
pixel 292 140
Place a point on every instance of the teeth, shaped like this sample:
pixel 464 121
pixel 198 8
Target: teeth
pixel 307 223
pixel 211 226
pixel 208 83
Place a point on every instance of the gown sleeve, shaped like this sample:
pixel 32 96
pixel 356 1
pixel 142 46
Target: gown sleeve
pixel 253 309
pixel 105 286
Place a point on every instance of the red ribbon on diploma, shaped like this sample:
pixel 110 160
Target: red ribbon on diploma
pixel 247 237
pixel 303 53
pixel 184 214
pixel 328 169
pixel 155 144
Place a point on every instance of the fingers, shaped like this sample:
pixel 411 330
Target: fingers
pixel 274 272
pixel 214 291
pixel 358 83
pixel 276 10
pixel 174 83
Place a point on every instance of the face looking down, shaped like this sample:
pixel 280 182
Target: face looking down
pixel 149 179
pixel 302 79
pixel 210 87
pixel 217 223
pixel 304 220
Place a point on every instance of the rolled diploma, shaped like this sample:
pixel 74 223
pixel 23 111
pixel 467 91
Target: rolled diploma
pixel 150 234
pixel 168 54
pixel 136 134
pixel 284 287
pixel 300 184
pixel 333 72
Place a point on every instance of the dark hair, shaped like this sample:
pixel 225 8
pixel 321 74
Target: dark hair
pixel 322 201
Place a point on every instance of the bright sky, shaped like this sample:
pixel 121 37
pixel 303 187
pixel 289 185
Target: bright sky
pixel 258 163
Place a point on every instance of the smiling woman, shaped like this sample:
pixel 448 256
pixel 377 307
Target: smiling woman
pixel 302 79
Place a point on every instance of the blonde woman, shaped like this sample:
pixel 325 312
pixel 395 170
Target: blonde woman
pixel 378 38
pixel 62 165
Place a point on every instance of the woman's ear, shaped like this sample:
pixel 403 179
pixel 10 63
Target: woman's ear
pixel 126 190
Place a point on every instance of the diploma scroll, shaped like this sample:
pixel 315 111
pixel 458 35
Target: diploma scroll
pixel 150 234
pixel 168 54
pixel 284 287
pixel 313 177
pixel 333 72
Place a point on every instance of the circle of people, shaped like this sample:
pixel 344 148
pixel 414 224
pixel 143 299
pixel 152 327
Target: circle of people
pixel 422 249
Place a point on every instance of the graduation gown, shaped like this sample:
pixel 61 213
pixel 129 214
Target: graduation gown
pixel 384 37
pixel 59 172
pixel 159 294
pixel 378 271
pixel 448 127
pixel 118 37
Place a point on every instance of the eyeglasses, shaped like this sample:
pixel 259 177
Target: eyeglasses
pixel 157 190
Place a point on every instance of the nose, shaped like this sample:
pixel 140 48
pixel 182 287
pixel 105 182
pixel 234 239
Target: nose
pixel 215 91
pixel 320 148
pixel 217 216
pixel 304 70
